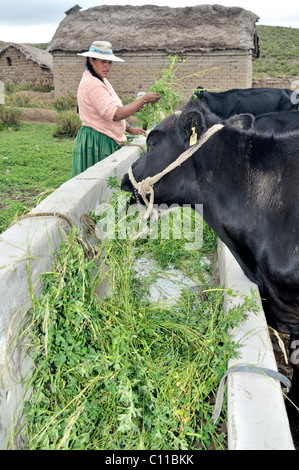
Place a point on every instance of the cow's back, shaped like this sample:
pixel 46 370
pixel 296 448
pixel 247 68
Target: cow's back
pixel 277 122
pixel 255 101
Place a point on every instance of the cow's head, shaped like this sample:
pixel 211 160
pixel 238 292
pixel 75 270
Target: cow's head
pixel 169 139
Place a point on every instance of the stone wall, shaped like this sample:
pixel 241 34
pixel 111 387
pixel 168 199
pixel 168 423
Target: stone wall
pixel 219 70
pixel 16 68
pixel 278 82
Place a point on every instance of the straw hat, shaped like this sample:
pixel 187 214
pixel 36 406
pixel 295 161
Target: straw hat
pixel 101 50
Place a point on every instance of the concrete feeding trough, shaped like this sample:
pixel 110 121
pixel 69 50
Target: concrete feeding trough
pixel 256 413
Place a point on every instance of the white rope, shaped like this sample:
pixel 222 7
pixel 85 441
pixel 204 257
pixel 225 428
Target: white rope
pixel 146 186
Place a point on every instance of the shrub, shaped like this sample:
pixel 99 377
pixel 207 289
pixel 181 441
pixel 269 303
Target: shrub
pixel 20 100
pixel 67 124
pixel 40 85
pixel 37 103
pixel 65 103
pixel 10 117
pixel 24 100
pixel 10 87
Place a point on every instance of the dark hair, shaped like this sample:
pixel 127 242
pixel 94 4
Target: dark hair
pixel 91 70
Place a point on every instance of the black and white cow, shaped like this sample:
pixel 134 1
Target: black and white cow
pixel 255 101
pixel 247 183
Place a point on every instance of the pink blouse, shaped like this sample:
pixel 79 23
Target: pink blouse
pixel 98 103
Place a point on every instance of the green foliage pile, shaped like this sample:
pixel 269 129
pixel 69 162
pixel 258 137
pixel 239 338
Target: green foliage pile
pixel 124 373
pixel 279 52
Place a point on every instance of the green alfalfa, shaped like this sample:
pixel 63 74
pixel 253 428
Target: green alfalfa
pixel 121 373
pixel 169 86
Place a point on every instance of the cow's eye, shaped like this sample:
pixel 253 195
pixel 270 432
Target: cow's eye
pixel 150 146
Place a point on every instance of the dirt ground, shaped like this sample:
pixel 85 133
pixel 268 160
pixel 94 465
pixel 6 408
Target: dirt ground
pixel 39 115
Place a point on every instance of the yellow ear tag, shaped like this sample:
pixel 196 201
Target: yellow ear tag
pixel 193 137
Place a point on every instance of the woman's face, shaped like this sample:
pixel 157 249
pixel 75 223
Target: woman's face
pixel 101 67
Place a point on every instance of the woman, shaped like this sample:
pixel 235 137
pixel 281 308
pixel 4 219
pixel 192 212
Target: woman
pixel 101 111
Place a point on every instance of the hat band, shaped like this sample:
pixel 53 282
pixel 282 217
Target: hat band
pixel 94 49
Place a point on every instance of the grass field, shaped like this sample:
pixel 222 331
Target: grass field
pixel 32 164
pixel 279 52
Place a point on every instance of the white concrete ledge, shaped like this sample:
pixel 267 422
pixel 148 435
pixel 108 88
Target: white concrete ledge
pixel 256 415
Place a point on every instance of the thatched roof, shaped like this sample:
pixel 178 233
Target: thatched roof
pixel 39 56
pixel 149 27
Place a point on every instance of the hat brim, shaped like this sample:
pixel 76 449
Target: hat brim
pixel 97 55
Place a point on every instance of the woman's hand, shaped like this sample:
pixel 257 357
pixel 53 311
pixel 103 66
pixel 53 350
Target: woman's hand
pixel 136 131
pixel 150 98
pixel 123 112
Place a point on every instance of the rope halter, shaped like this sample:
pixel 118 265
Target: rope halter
pixel 146 186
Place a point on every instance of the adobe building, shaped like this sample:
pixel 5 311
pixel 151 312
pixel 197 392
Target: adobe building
pixel 20 63
pixel 221 42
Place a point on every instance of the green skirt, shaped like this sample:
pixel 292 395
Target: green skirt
pixel 90 147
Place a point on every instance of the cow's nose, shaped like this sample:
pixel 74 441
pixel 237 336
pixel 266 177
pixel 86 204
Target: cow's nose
pixel 126 184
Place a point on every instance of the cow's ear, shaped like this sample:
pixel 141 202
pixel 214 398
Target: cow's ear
pixel 189 120
pixel 241 121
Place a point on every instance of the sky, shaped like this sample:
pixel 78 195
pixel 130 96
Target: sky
pixel 35 21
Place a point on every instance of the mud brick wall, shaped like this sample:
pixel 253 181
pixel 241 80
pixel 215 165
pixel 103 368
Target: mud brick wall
pixel 277 82
pixel 16 68
pixel 221 70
